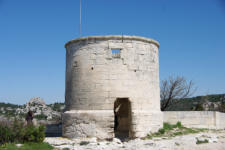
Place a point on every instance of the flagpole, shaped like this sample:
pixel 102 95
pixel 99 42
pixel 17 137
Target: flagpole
pixel 80 18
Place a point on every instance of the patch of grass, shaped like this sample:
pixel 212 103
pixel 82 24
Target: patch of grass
pixel 172 130
pixel 84 143
pixel 177 133
pixel 65 149
pixel 27 146
pixel 201 141
pixel 168 127
pixel 190 131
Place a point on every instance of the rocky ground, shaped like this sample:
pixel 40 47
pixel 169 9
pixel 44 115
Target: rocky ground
pixel 210 140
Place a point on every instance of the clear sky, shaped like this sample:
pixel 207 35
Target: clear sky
pixel 33 33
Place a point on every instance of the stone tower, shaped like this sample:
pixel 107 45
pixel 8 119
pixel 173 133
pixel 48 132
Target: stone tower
pixel 112 87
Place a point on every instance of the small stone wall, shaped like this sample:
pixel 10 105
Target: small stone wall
pixel 196 119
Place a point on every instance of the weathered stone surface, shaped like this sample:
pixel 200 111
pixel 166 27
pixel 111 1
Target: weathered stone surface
pixel 95 79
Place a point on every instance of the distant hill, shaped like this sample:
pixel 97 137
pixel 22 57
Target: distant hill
pixel 51 112
pixel 200 103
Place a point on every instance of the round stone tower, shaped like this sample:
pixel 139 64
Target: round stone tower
pixel 112 87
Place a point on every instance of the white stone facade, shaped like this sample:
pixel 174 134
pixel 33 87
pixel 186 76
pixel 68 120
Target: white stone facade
pixel 96 77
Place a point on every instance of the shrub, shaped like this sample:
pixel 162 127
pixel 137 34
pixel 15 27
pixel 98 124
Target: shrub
pixel 162 131
pixel 5 134
pixel 199 107
pixel 179 125
pixel 17 131
pixel 167 126
pixel 34 134
pixel 84 143
pixel 201 141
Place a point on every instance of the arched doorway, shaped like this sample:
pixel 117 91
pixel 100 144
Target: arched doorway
pixel 122 118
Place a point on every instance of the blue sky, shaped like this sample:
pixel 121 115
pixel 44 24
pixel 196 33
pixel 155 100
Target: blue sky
pixel 33 33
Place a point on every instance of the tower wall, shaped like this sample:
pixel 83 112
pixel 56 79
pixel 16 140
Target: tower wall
pixel 96 77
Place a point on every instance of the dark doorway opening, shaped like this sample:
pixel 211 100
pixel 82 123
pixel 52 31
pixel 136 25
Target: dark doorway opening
pixel 122 118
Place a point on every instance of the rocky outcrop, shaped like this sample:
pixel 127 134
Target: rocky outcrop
pixel 43 113
pixel 211 106
pixel 40 110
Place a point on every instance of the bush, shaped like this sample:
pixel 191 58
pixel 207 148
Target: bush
pixel 179 125
pixel 5 134
pixel 84 143
pixel 199 107
pixel 202 141
pixel 34 134
pixel 167 126
pixel 162 131
pixel 17 131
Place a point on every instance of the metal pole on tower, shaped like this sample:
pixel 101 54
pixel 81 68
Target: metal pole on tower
pixel 80 18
